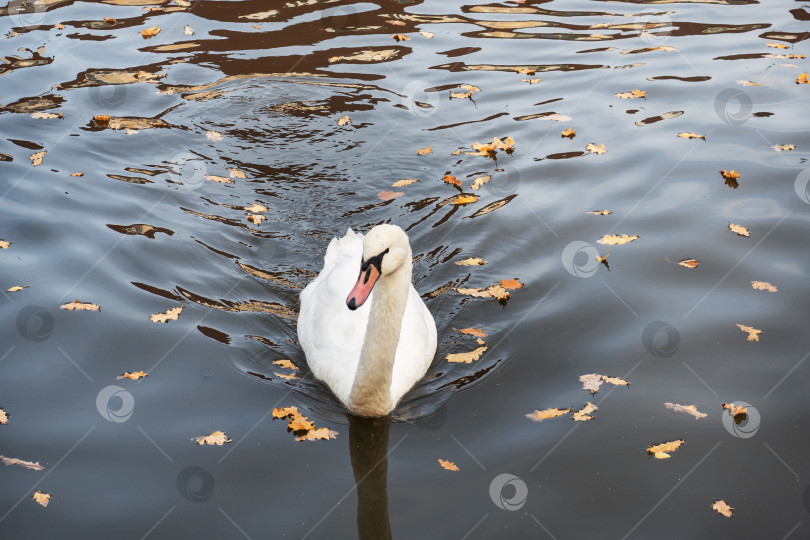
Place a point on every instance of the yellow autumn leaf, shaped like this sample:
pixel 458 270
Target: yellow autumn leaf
pixel 170 315
pixel 285 363
pixel 569 133
pixel 344 120
pixel 17 288
pixel 77 174
pixel 688 409
pixel 255 208
pixel 595 149
pixel 753 333
pixel 545 414
pixel 466 357
pixel 3 417
pixel 477 332
pixel 4 244
pixel 631 94
pixel 400 37
pixel 662 451
pixel 584 414
pixel 315 434
pixel 36 158
pixel 472 261
pixel 784 147
pixel 80 306
pixel 732 174
pixel 531 81
pixel 616 240
pixel 480 181
pixel 285 376
pixel 722 508
pixel 742 231
pixel 404 182
pixel 135 375
pixel 218 179
pixel 42 498
pixel 778 45
pixel 423 151
pixel 284 412
pixel 150 32
pixel 217 438
pixel 463 199
pixel 691 135
pixel 449 465
pixel 763 286
pixel 511 284
pixel 256 219
pixel 802 79
pixel 599 212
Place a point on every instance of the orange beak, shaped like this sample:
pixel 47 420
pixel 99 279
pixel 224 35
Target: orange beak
pixel 362 289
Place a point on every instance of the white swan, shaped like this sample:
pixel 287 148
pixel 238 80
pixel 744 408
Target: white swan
pixel 369 353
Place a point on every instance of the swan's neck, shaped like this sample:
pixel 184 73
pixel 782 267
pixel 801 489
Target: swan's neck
pixel 371 390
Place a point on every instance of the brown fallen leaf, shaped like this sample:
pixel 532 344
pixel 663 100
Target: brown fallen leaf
pixel 77 174
pixel 236 173
pixel 101 118
pixel 778 45
pixel 466 357
pixel 135 375
pixel 27 464
pixel 400 37
pixel 802 79
pixel 784 147
pixel 569 133
pixel 109 20
pixel 423 151
pixel 615 239
pixel 531 81
pixel 477 332
pixel 742 231
pixel 688 409
pixel 36 159
pixel 41 497
pixel 217 438
pixel 404 182
pixel 285 364
pixel 297 422
pixel 545 414
pixel 80 306
pixel 147 33
pixel 463 199
pixel 480 181
pixel 284 412
pixel 594 149
pixel 170 315
pixel 616 381
pixel 212 135
pixel 689 263
pixel 584 414
pixel 3 417
pixel 315 434
pixel 218 179
pixel 285 376
pixel 591 382
pixel 732 174
pixel 600 212
pixel 255 208
pixel 344 120
pixel 4 244
pixel 511 284
pixel 631 94
pixel 389 195
pixel 449 465
pixel 735 410
pixel 691 135
pixel 472 261
pixel 748 83
pixel 452 180
pixel 17 288
pixel 722 508
pixel 661 451
pixel 763 286
pixel 753 333
pixel 256 219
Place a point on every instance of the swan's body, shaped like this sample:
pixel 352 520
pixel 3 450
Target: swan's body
pixel 370 347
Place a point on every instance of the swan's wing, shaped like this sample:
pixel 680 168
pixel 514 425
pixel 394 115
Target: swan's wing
pixel 417 346
pixel 331 334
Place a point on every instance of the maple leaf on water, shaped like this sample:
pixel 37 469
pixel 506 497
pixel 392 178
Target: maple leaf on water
pixel 41 497
pixel 584 414
pixel 722 508
pixel 170 315
pixel 466 357
pixel 763 286
pixel 80 306
pixel 545 414
pixel 569 133
pixel 742 231
pixel 217 438
pixel 452 180
pixel 449 465
pixel 662 451
pixel 688 409
pixel 135 375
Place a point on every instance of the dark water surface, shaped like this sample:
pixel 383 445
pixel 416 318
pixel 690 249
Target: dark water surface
pixel 145 229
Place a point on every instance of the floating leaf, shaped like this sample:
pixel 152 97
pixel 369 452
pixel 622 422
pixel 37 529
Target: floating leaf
pixel 36 159
pixel 77 174
pixel 46 115
pixel 784 147
pixel 285 364
pixel 187 30
pixel 463 199
pixel 212 135
pixel 423 151
pixel 477 332
pixel 524 70
pixel 217 438
pixel 584 414
pixel 472 261
pixel 256 219
pixel 218 179
pixel 591 382
pixel 688 409
pixel 452 180
pixel 616 381
pixel 691 135
pixel 3 417
pixel 286 377
pixel 284 412
pixel 778 45
pixel 404 182
pixel 17 288
pixel 661 451
pixel 147 33
pixel 344 120
pixel 27 464
pixel 135 375
pixel 689 263
pixel 763 286
pixel 428 35
pixel 735 410
pixel 594 149
pixel 734 175
pixel 449 465
pixel 389 195
pixel 80 306
pixel 42 498
pixel 631 94
pixel 569 133
pixel 400 37
pixel 464 95
pixel 722 508
pixel 802 79
pixel 748 83
pixel 615 239
pixel 170 315
pixel 4 244
pixel 753 333
pixel 315 434
pixel 255 208
pixel 545 414
pixel 236 173
pixel 480 181
pixel 511 284
pixel 531 81
pixel 742 231
pixel 466 357
pixel 599 212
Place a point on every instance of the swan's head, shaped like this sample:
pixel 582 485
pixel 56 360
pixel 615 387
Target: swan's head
pixel 385 250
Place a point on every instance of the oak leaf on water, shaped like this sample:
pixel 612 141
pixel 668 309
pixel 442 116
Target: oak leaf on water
pixel 150 32
pixel 631 94
pixel 256 219
pixel 452 180
pixel 217 438
pixel 449 465
pixel 722 508
pixel 41 497
pixel 569 133
pixel 584 414
pixel 468 92
pixel 688 409
pixel 77 305
pixel 466 357
pixel 315 434
pixel 3 417
pixel 218 179
pixel 480 181
pixel 617 240
pixel 170 315
pixel 511 284
pixel 595 149
pixel 739 229
pixel 36 158
pixel 662 451
pixel 545 414
pixel 344 120
pixel 255 208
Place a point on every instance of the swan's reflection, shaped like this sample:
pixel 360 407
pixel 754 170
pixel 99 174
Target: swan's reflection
pixel 368 446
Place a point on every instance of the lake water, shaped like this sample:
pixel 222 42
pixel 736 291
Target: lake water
pixel 233 104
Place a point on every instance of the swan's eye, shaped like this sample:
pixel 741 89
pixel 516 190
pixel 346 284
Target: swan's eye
pixel 376 260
